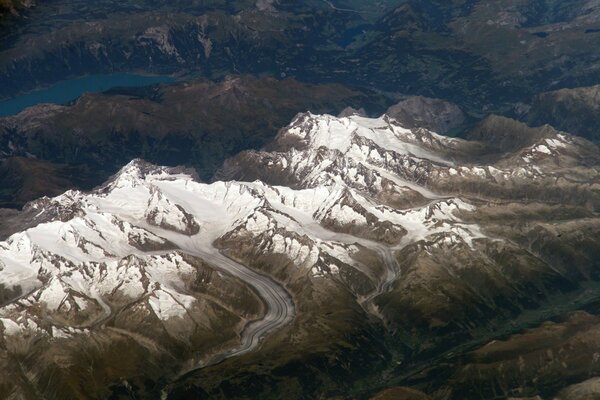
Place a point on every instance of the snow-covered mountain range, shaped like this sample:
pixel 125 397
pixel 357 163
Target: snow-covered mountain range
pixel 126 239
pixel 381 212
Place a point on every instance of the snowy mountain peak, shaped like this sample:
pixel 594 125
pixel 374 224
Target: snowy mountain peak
pixel 147 214
pixel 133 174
pixel 345 134
pixel 335 201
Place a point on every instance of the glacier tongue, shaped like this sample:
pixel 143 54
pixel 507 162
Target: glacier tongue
pixel 348 177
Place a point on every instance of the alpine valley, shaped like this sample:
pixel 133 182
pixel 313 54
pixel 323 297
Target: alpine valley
pixel 351 258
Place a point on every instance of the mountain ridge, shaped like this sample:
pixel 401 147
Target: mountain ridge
pixel 341 219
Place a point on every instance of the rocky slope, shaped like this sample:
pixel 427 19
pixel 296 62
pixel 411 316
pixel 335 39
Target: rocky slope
pixel 434 114
pixel 198 123
pixel 574 110
pixel 451 286
pixel 343 258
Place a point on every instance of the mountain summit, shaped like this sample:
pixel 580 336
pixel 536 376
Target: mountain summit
pixel 339 226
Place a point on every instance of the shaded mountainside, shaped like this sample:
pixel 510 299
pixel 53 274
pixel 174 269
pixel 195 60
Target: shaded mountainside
pixel 434 114
pixel 574 110
pixel 13 8
pixel 398 262
pixel 486 52
pixel 210 38
pixel 483 55
pixel 23 179
pixel 198 124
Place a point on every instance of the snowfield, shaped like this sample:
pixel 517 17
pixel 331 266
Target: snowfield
pixel 128 238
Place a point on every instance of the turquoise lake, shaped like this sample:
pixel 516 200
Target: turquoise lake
pixel 67 90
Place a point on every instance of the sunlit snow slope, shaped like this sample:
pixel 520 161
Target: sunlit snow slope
pixel 344 197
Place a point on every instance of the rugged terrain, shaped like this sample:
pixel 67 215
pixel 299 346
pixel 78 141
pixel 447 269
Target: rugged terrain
pixel 481 54
pixel 574 110
pixel 339 257
pixel 198 123
pixel 13 8
pixel 530 60
pixel 349 256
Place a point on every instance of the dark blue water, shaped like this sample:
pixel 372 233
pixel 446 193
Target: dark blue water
pixel 351 34
pixel 65 91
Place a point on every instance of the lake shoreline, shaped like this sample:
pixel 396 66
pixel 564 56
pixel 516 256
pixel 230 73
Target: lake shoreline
pixel 68 90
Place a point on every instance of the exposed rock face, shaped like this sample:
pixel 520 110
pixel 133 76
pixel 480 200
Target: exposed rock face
pixel 422 112
pixel 586 390
pixel 349 111
pixel 505 134
pixel 165 214
pixel 573 110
